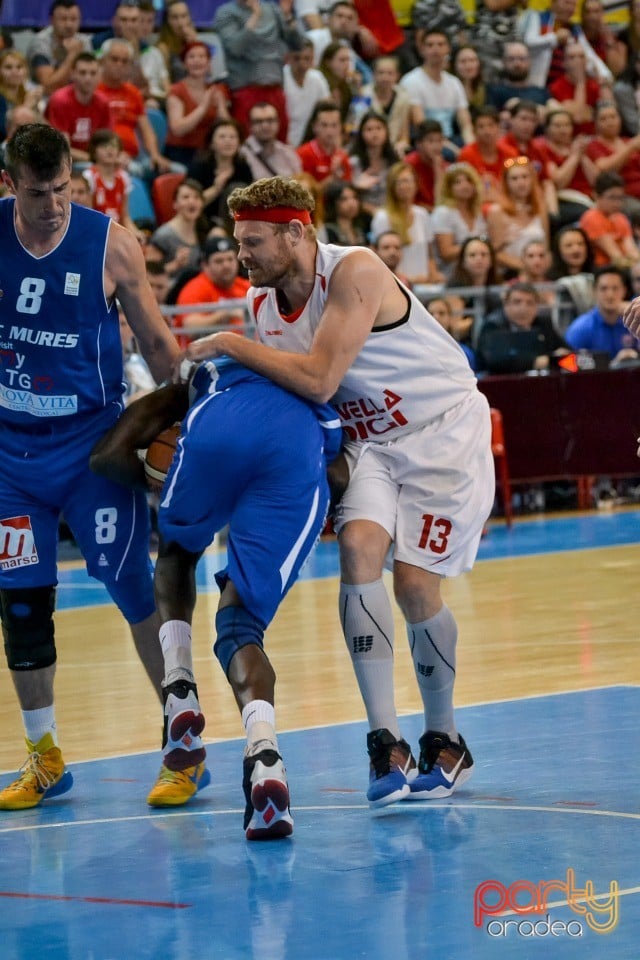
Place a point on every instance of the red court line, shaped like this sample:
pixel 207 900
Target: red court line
pixel 111 901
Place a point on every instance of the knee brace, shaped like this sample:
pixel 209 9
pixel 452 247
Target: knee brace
pixel 27 627
pixel 236 628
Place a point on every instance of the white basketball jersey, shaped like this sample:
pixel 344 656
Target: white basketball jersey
pixel 406 374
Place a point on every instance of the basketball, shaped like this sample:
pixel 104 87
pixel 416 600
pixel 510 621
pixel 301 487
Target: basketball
pixel 160 453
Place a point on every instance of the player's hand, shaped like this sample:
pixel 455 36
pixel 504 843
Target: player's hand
pixel 206 348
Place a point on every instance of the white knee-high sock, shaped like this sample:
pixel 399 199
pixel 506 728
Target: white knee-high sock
pixel 175 640
pixel 433 648
pixel 367 623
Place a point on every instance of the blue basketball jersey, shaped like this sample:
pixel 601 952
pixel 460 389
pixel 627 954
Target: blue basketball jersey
pixel 60 350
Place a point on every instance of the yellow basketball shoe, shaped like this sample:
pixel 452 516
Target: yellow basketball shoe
pixel 173 788
pixel 43 775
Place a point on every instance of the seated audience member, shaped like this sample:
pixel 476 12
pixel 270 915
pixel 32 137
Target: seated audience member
pixel 536 264
pixel 323 157
pixel 601 328
pixel 17 117
pixel 611 152
pixel 80 190
pixel 110 185
pixel 343 24
pixel 304 86
pixel 220 169
pixel 570 169
pixel 442 309
pixel 128 114
pixel 626 94
pixel 15 87
pixel 125 25
pixel 218 280
pixel 335 67
pixel 412 222
pixel 572 269
pixel 520 138
pixel 486 154
pixel 389 100
pixel 575 91
pixel 159 280
pixel 436 94
pixel 546 34
pixel 475 267
pixel 176 31
pixel 52 51
pixel 79 109
pixel 152 62
pixel 428 162
pixel 266 155
pixel 467 67
pixel 193 105
pixel 371 157
pixel 519 315
pixel 458 214
pixel 514 83
pixel 343 217
pixel 180 238
pixel 494 28
pixel 519 216
pixel 608 229
pixel 602 38
pixel 388 246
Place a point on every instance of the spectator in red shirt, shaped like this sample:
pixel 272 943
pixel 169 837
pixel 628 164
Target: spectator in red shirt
pixel 612 152
pixel 428 162
pixel 217 280
pixel 323 157
pixel 128 115
pixel 78 109
pixel 568 166
pixel 520 140
pixel 575 91
pixel 487 154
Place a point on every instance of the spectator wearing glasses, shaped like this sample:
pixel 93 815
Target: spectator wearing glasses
pixel 266 155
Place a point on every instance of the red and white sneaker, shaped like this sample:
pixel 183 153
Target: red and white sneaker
pixel 267 815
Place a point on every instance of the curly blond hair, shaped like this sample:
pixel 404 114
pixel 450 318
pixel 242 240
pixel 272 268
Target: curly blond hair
pixel 271 192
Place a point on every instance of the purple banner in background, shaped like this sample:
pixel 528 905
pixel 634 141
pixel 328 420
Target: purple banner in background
pixel 95 13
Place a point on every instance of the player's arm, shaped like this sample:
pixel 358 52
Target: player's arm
pixel 126 279
pixel 353 303
pixel 115 455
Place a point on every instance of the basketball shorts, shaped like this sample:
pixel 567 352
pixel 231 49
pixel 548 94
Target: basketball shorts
pixel 250 457
pixel 431 490
pixel 46 474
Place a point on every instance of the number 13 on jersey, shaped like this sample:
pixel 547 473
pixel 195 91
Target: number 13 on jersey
pixel 435 533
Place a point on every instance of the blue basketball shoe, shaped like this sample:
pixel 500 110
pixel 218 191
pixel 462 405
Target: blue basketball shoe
pixel 392 767
pixel 443 767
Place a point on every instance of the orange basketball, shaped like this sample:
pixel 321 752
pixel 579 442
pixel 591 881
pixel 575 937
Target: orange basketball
pixel 160 454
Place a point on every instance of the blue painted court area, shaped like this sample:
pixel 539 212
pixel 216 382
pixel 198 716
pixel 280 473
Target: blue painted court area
pixel 526 537
pixel 96 875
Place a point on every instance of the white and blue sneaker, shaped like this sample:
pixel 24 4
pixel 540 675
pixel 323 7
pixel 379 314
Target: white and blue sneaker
pixel 443 767
pixel 182 746
pixel 391 768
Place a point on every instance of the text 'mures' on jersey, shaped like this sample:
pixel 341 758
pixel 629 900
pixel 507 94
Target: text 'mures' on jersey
pixel 406 374
pixel 60 349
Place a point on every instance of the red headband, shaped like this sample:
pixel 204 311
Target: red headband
pixel 273 214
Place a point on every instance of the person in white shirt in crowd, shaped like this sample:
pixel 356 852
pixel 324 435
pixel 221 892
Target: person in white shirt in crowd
pixel 304 86
pixel 436 94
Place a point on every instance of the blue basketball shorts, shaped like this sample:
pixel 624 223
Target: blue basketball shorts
pixel 46 474
pixel 250 457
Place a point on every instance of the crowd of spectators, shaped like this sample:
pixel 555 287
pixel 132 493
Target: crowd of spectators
pixel 491 158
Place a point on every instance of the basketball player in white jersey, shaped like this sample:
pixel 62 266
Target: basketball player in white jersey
pixel 334 323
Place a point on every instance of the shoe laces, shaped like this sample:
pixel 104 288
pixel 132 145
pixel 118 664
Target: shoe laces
pixel 35 768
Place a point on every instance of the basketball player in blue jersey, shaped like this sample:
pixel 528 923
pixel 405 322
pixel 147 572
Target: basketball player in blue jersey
pixel 255 457
pixel 336 324
pixel 62 267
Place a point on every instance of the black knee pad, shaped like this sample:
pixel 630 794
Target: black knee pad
pixel 27 627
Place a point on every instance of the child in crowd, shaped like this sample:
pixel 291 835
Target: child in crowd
pixel 110 185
